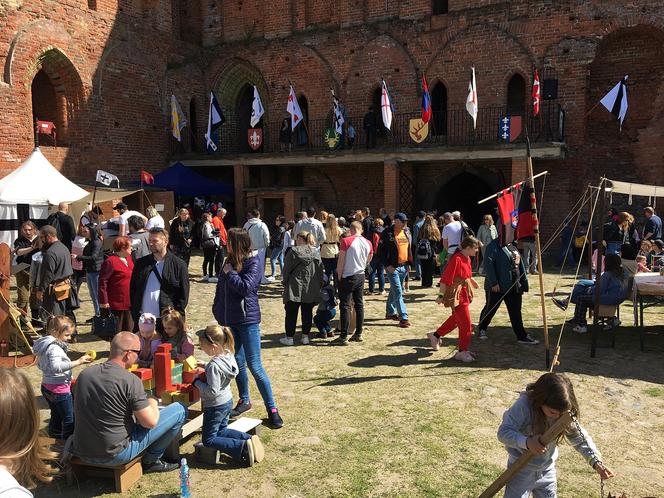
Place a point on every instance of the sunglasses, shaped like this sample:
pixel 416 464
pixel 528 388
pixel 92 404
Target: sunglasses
pixel 207 337
pixel 137 351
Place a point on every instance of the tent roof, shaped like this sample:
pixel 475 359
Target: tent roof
pixel 636 189
pixel 185 181
pixel 104 195
pixel 36 181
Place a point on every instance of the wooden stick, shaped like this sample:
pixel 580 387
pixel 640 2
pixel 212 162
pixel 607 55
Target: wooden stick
pixel 538 249
pixel 592 109
pixel 550 435
pixel 510 187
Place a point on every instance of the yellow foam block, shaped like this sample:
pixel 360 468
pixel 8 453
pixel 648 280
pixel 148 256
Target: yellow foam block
pixel 133 367
pixel 148 384
pixel 172 363
pixel 166 398
pixel 179 397
pixel 189 364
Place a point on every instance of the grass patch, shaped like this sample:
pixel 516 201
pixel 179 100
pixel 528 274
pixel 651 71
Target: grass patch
pixel 655 392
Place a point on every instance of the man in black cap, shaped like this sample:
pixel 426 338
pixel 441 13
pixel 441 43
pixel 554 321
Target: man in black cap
pixel 124 215
pixel 394 250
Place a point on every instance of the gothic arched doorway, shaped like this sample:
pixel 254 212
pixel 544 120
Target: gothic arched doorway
pixel 243 106
pixel 461 193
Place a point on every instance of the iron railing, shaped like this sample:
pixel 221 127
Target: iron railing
pixel 453 128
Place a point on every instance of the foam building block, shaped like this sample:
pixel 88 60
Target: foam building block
pixel 166 398
pixel 194 395
pixel 149 392
pixel 176 374
pixel 148 384
pixel 162 371
pixel 133 367
pixel 172 363
pixel 189 364
pixel 165 348
pixel 179 397
pixel 143 373
pixel 188 377
pixel 185 388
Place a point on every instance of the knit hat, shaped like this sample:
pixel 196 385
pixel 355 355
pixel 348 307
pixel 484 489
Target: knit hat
pixel 147 322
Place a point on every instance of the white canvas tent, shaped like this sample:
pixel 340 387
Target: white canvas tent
pixel 27 192
pixel 639 189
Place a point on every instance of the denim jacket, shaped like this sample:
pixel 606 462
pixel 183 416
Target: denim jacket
pixel 236 297
pixel 517 428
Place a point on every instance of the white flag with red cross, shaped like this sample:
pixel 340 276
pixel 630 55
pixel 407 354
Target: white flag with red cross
pixel 293 108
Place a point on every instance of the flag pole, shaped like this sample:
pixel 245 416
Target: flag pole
pixel 538 248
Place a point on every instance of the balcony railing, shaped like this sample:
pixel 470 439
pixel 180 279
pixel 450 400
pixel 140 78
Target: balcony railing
pixel 453 128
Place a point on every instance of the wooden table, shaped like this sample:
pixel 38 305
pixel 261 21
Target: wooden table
pixel 647 291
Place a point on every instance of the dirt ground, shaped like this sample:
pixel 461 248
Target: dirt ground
pixel 389 417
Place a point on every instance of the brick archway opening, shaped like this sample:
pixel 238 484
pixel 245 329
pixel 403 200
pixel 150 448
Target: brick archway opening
pixel 56 95
pixel 461 193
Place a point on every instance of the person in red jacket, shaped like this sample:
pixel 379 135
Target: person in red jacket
pixel 114 278
pixel 456 292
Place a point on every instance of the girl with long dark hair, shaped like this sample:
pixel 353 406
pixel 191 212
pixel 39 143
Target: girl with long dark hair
pixel 236 306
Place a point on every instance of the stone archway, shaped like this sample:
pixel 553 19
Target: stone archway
pixel 56 93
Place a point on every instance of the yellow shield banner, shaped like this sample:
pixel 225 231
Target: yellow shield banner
pixel 418 130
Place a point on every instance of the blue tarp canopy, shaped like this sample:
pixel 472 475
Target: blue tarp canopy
pixel 186 182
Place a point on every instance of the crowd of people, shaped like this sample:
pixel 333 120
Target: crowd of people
pixel 143 282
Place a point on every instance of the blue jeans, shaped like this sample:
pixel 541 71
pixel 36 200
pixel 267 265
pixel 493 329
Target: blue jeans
pixel 276 255
pixel 322 319
pixel 541 482
pixel 61 425
pixel 566 247
pixel 418 267
pixel 92 278
pixel 376 269
pixel 395 304
pixel 155 441
pixel 248 353
pixel 217 435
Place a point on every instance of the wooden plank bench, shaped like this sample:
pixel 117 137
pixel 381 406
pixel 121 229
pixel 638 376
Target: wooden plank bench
pixel 210 456
pixel 125 475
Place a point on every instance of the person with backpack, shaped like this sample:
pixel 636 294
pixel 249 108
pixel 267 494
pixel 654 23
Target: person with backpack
pixel 394 251
pixel 63 224
pixel 428 245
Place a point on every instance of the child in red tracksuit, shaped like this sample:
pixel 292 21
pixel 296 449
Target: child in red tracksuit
pixel 456 292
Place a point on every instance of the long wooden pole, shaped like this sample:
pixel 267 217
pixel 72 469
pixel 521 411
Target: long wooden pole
pixel 538 250
pixel 600 255
pixel 550 435
pixel 588 246
pixel 496 194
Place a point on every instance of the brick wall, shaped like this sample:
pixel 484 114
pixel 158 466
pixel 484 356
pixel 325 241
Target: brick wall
pixel 113 68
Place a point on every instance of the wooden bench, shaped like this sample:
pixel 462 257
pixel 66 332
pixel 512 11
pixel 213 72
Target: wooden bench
pixel 210 456
pixel 125 475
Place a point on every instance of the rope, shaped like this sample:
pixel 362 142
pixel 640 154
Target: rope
pixel 578 267
pixel 18 327
pixel 576 223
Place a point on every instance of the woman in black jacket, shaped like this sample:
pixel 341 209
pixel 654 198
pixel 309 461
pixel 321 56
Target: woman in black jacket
pixel 181 233
pixel 93 257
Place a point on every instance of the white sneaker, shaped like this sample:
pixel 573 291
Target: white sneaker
pixel 213 280
pixel 481 333
pixel 464 356
pixel 435 341
pixel 305 340
pixel 286 341
pixel 270 279
pixel 580 329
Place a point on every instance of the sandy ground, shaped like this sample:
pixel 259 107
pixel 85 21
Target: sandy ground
pixel 389 417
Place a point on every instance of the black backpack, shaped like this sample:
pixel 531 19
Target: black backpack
pixel 424 250
pixel 54 221
pixel 467 231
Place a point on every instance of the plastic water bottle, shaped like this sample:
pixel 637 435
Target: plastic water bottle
pixel 185 491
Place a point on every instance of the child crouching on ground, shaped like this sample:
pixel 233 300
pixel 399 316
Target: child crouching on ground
pixel 534 412
pixel 641 264
pixel 150 339
pixel 217 399
pixel 56 368
pixel 327 310
pixel 175 333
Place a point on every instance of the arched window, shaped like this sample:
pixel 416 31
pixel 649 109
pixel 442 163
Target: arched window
pixel 439 7
pixel 47 105
pixel 439 108
pixel 301 137
pixel 516 95
pixel 376 103
pixel 243 106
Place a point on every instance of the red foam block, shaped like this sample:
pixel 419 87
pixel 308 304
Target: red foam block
pixel 143 373
pixel 164 348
